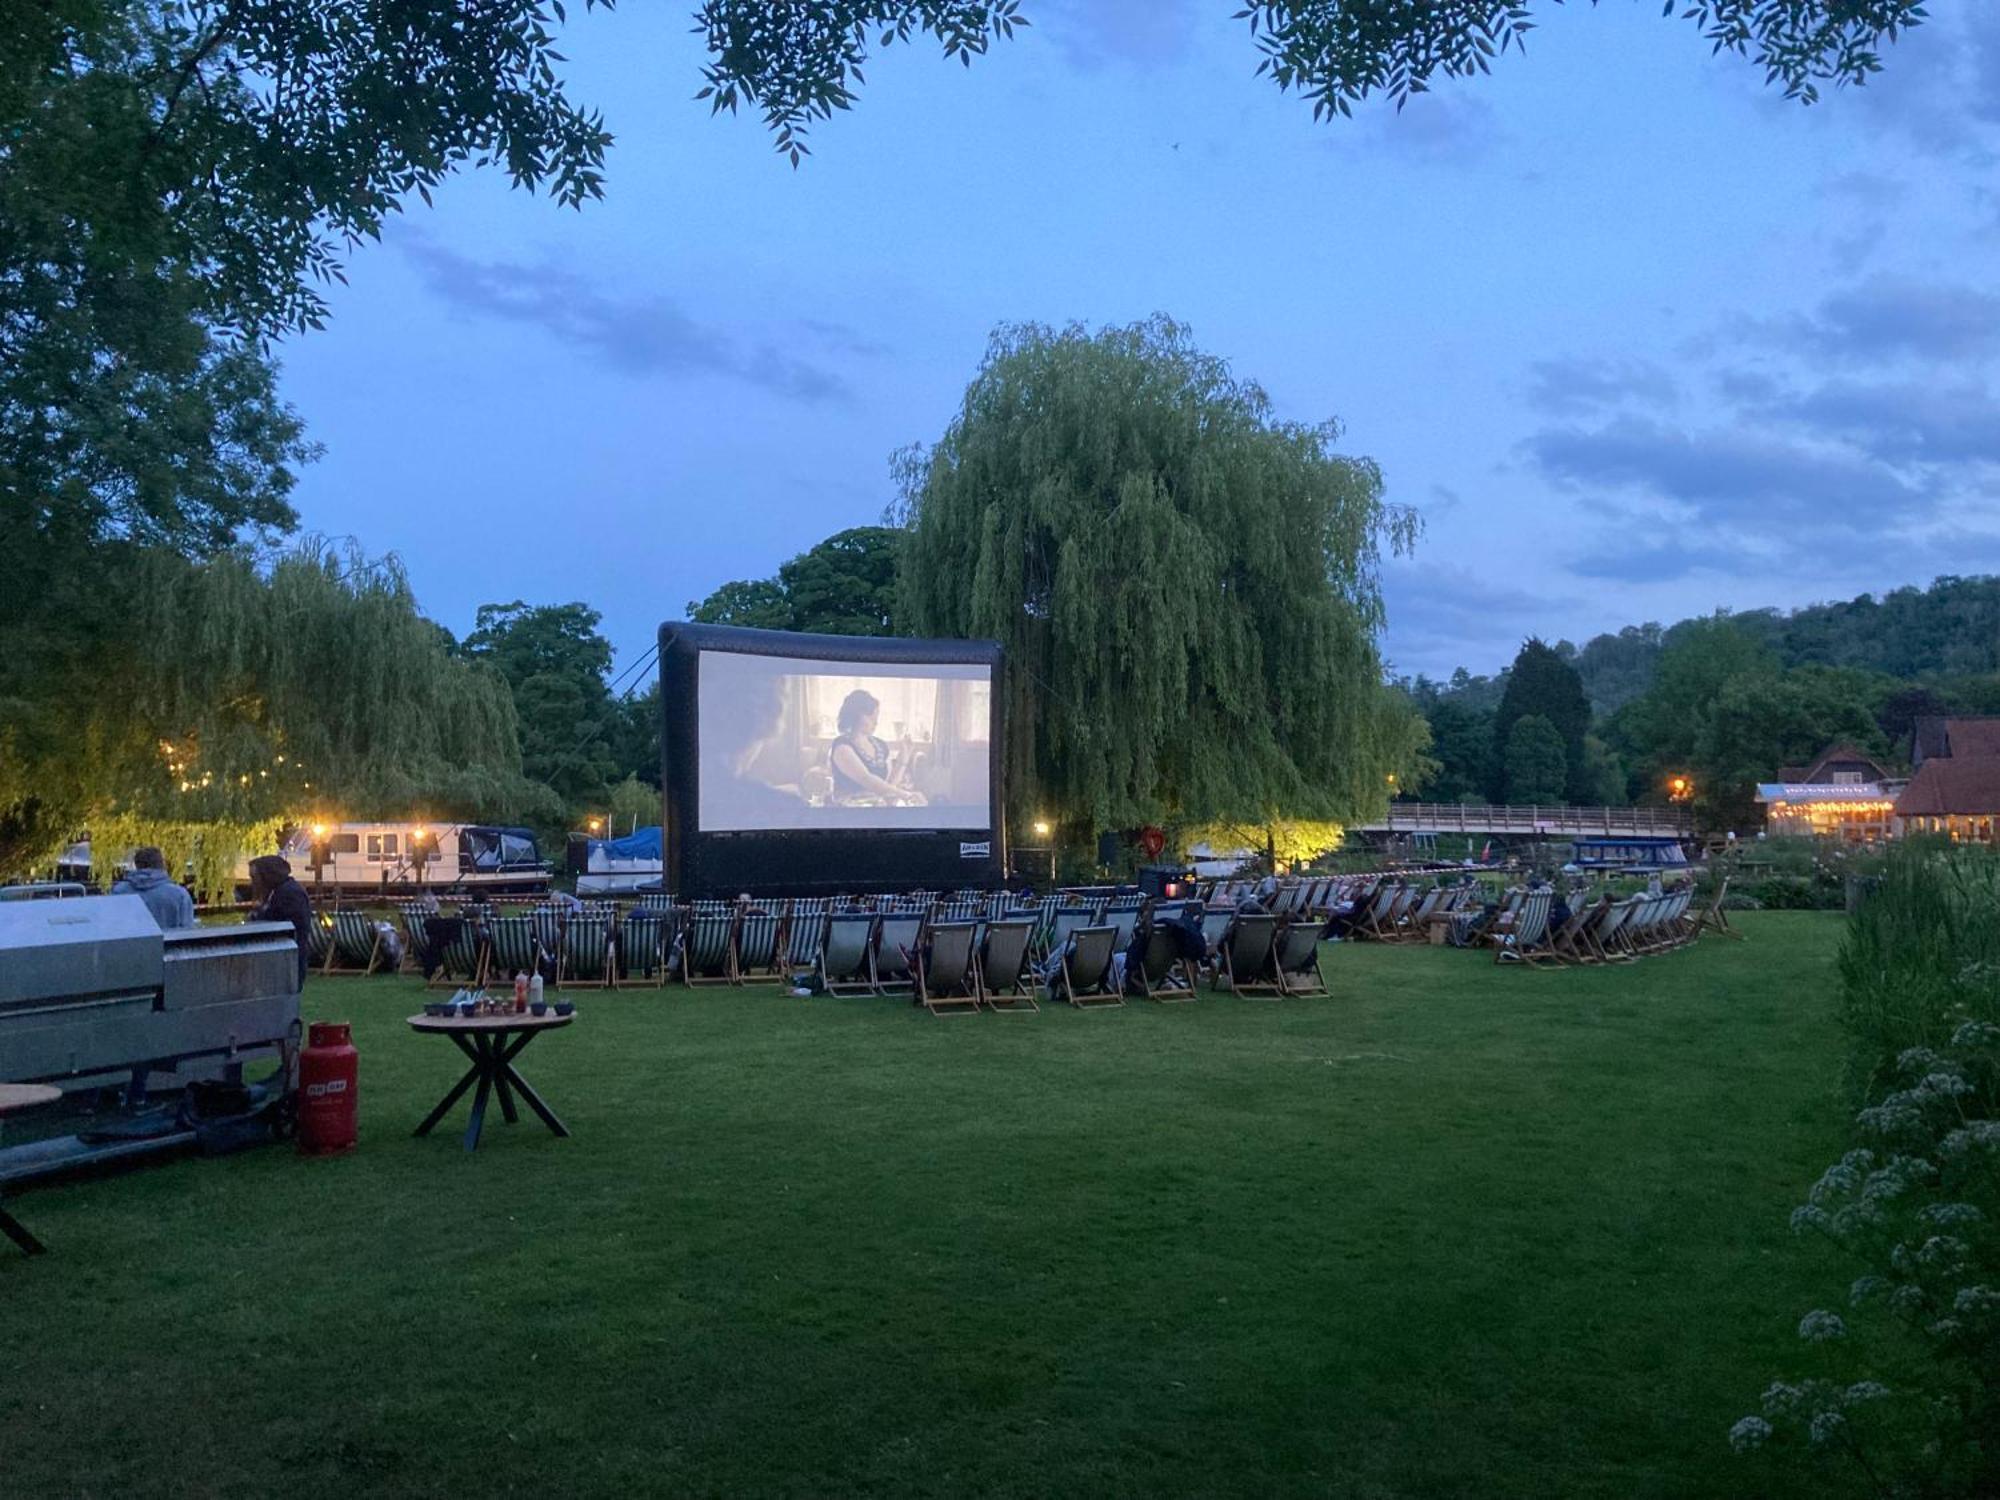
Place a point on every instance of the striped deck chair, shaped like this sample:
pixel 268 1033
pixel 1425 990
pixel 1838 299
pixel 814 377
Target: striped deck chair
pixel 1377 920
pixel 1243 957
pixel 1525 940
pixel 642 946
pixel 1414 925
pixel 946 973
pixel 1295 958
pixel 511 948
pixel 756 944
pixel 1004 984
pixel 847 957
pixel 356 945
pixel 1067 921
pixel 319 940
pixel 1045 920
pixel 550 924
pixel 455 951
pixel 411 916
pixel 895 950
pixel 708 944
pixel 1160 973
pixel 805 930
pixel 1570 941
pixel 587 956
pixel 1083 973
pixel 965 906
pixel 1606 935
pixel 1123 914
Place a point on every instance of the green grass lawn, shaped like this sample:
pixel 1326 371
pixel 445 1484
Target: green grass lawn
pixel 1458 1230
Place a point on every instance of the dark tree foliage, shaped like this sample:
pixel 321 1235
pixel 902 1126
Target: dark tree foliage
pixel 1462 746
pixel 1542 684
pixel 1338 52
pixel 844 586
pixel 1535 765
pixel 1185 585
pixel 554 660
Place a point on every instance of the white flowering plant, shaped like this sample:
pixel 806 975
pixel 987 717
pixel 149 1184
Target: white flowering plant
pixel 1907 1401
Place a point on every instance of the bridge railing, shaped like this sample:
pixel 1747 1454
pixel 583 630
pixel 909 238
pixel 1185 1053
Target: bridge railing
pixel 1466 817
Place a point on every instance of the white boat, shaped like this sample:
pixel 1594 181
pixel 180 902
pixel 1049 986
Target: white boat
pixel 613 867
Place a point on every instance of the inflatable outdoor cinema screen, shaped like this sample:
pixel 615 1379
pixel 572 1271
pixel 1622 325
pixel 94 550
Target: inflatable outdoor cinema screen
pixel 798 764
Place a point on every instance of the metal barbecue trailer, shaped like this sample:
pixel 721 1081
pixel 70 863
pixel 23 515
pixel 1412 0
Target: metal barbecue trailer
pixel 96 999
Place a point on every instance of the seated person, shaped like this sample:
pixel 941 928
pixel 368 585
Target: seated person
pixel 860 763
pixel 733 734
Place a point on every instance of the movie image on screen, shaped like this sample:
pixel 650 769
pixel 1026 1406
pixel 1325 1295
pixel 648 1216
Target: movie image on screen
pixel 789 743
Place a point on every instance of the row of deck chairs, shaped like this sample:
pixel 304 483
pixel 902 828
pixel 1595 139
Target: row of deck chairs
pixel 1610 929
pixel 1390 910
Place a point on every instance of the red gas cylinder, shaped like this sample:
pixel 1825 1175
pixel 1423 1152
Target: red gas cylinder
pixel 329 1090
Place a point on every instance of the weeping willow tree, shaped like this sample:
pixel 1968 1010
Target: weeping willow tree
pixel 1186 586
pixel 231 698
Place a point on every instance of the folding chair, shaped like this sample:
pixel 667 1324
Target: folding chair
pixel 708 945
pixel 946 972
pixel 1003 966
pixel 847 957
pixel 356 944
pixel 454 952
pixel 511 948
pixel 895 943
pixel 1123 915
pixel 1295 955
pixel 1244 957
pixel 805 930
pixel 586 952
pixel 756 944
pixel 642 946
pixel 1525 940
pixel 1084 969
pixel 1161 973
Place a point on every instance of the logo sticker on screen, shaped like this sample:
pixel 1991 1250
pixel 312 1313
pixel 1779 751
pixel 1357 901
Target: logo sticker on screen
pixel 976 851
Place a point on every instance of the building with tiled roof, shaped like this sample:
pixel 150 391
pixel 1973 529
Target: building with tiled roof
pixel 1956 788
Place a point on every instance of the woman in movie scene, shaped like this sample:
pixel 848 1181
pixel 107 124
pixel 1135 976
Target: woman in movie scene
pixel 860 762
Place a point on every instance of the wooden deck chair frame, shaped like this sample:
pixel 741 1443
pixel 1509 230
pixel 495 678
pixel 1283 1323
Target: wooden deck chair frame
pixel 805 930
pixel 947 980
pixel 1715 917
pixel 1161 974
pixel 1376 921
pixel 1084 967
pixel 353 932
pixel 1244 958
pixel 1002 957
pixel 588 944
pixel 410 916
pixel 859 977
pixel 1295 956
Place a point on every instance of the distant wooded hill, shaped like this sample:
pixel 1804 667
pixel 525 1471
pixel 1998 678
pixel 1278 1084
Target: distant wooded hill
pixel 1950 630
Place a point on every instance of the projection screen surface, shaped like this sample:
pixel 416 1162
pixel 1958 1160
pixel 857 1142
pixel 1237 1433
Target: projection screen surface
pixel 787 743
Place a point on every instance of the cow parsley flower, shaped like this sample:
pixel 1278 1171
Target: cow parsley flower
pixel 1751 1432
pixel 1820 1326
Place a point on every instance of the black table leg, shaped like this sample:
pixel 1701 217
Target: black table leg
pixel 532 1099
pixel 487 1057
pixel 16 1231
pixel 506 1095
pixel 457 1093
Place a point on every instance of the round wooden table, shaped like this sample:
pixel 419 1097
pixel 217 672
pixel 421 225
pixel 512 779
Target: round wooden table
pixel 15 1096
pixel 491 1043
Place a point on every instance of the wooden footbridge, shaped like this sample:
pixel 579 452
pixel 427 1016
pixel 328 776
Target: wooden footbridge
pixel 1478 820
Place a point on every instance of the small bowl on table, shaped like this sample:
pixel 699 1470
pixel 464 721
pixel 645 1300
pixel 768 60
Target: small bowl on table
pixel 538 1007
pixel 565 1007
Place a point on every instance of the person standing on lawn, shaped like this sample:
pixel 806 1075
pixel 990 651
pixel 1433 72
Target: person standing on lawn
pixel 276 897
pixel 165 898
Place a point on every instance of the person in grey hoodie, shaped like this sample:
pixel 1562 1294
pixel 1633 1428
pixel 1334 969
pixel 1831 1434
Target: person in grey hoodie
pixel 167 900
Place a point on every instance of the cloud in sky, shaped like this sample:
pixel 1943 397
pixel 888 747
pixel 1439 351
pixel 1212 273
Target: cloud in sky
pixel 1143 34
pixel 1729 475
pixel 1894 317
pixel 1568 386
pixel 1907 422
pixel 639 334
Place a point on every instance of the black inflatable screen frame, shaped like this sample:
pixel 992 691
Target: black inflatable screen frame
pixel 817 861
